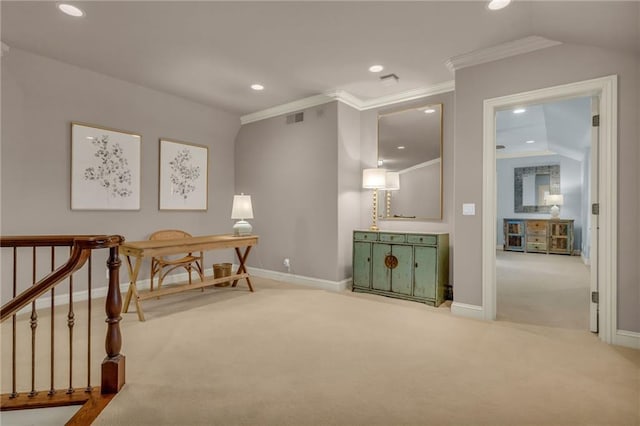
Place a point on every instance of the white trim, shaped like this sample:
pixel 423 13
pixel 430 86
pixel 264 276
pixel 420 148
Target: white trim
pixel 630 339
pixel 447 86
pixel 286 108
pixel 421 165
pixel 606 88
pixel 467 311
pixel 347 99
pixel 300 279
pixel 501 51
pixel 500 155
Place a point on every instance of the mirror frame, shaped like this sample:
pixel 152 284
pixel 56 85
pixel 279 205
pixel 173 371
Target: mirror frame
pixel 440 189
pixel 554 186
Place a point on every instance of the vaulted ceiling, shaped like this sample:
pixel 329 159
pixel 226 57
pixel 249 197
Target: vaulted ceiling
pixel 211 52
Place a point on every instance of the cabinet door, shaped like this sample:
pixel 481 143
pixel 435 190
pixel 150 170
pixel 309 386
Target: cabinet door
pixel 401 275
pixel 425 272
pixel 362 264
pixel 381 275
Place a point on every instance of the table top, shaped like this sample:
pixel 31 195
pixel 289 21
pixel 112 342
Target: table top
pixel 189 244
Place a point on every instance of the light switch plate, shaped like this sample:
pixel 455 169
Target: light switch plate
pixel 468 209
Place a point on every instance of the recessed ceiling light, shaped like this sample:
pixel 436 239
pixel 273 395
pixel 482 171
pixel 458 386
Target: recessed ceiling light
pixel 380 162
pixel 376 68
pixel 401 147
pixel 530 141
pixel 70 10
pixel 257 86
pixel 429 111
pixel 519 110
pixel 498 4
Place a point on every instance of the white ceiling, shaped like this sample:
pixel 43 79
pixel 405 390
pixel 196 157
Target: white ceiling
pixel 211 52
pixel 561 127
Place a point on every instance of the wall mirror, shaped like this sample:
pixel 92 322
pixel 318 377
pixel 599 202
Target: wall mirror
pixel 530 186
pixel 410 143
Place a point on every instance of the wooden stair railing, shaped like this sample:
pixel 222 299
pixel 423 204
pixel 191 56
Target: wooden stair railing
pixel 113 365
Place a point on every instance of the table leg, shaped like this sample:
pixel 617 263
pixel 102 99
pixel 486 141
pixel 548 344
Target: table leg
pixel 242 258
pixel 133 290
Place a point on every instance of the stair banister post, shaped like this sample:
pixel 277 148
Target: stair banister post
pixel 113 366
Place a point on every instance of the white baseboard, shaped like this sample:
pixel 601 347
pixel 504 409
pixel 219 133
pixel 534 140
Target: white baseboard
pixel 630 339
pixel 300 279
pixel 468 311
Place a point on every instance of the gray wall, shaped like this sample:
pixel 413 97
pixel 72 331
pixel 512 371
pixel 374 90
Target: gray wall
pixel 349 185
pixel 571 188
pixel 291 172
pixel 41 96
pixel 545 68
pixel 369 153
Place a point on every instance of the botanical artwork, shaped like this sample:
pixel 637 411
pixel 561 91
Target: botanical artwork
pixel 183 175
pixel 105 169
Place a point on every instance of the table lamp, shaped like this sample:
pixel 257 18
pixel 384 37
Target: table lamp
pixel 392 183
pixel 374 179
pixel 242 210
pixel 554 200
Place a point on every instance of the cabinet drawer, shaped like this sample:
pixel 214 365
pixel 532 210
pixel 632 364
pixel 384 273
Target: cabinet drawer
pixel 537 247
pixel 541 232
pixel 393 238
pixel 536 226
pixel 365 236
pixel 422 239
pixel 536 239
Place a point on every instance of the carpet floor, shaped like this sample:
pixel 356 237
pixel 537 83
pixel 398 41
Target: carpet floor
pixel 287 355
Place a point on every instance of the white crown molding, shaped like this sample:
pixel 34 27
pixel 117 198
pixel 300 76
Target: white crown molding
pixel 5 49
pixel 347 99
pixel 287 108
pixel 501 51
pixel 500 156
pixel 447 86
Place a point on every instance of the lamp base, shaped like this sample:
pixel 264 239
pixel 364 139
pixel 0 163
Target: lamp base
pixel 242 228
pixel 555 211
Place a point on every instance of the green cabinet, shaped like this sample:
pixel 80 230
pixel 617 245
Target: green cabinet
pixel 408 266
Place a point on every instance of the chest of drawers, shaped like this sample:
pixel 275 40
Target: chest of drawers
pixel 412 266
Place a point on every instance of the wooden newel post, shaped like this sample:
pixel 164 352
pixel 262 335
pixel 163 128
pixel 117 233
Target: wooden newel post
pixel 113 366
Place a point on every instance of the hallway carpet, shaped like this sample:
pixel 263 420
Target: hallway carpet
pixel 289 355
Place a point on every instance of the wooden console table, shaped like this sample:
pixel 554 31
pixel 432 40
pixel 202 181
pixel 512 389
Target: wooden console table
pixel 138 250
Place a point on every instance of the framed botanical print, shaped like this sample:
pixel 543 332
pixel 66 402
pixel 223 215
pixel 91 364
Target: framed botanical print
pixel 184 169
pixel 105 168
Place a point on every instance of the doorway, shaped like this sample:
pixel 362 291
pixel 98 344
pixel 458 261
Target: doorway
pixel 543 179
pixel 605 277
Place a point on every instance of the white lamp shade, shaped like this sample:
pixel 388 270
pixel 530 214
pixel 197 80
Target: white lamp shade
pixel 392 181
pixel 242 207
pixel 554 200
pixel 374 178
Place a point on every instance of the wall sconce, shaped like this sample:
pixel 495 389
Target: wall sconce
pixel 242 210
pixel 374 179
pixel 392 183
pixel 554 200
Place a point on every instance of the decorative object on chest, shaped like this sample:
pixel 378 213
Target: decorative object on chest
pixel 407 266
pixel 550 236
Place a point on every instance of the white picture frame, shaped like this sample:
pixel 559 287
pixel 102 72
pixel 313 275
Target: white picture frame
pixel 105 168
pixel 184 176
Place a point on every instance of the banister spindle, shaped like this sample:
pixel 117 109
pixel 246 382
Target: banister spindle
pixel 70 323
pixel 89 387
pixel 52 389
pixel 113 366
pixel 34 325
pixel 13 319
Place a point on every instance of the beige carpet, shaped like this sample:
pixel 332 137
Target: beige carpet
pixel 287 355
pixel 549 290
pixel 291 356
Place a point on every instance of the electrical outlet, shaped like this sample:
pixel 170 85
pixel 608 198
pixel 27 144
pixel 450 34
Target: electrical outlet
pixel 287 264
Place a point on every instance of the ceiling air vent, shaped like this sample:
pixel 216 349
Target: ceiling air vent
pixel 295 118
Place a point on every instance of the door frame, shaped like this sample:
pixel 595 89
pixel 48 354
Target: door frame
pixel 606 88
